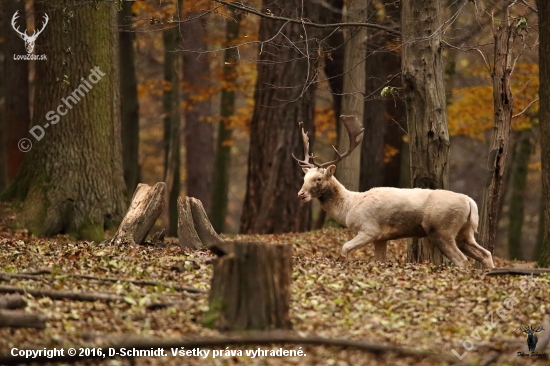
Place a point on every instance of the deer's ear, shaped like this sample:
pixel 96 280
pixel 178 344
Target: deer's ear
pixel 330 171
pixel 305 170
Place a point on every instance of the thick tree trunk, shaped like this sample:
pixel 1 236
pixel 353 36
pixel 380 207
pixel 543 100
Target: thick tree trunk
pixel 171 102
pixel 72 181
pixel 225 130
pixel 353 102
pixel 129 104
pixel 519 179
pixel 283 97
pixel 496 162
pixel 250 288
pixel 424 91
pixel 544 118
pixel 146 207
pixel 199 131
pixel 16 73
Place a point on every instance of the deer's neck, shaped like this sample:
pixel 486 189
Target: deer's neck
pixel 334 200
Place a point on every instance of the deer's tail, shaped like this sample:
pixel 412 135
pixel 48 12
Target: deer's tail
pixel 473 217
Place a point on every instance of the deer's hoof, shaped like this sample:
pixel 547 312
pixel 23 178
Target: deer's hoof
pixel 341 258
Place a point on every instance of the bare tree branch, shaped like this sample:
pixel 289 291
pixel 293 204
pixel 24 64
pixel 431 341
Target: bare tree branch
pixel 306 22
pixel 526 108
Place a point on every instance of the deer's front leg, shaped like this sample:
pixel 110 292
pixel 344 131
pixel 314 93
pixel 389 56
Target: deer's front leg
pixel 380 251
pixel 356 243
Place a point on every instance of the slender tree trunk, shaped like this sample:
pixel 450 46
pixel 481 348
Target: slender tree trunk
pixel 16 73
pixel 519 179
pixel 424 91
pixel 283 97
pixel 544 118
pixel 129 105
pixel 72 180
pixel 225 130
pixel 353 102
pixel 171 101
pixel 498 150
pixel 199 131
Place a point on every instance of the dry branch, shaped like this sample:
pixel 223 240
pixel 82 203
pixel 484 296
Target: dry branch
pixel 146 207
pixel 109 280
pixel 19 319
pixel 253 340
pixel 517 271
pixel 64 295
pixel 12 302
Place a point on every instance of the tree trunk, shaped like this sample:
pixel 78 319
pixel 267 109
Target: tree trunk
pixel 199 131
pixel 72 180
pixel 225 130
pixel 519 179
pixel 496 162
pixel 3 125
pixel 146 207
pixel 284 96
pixel 171 101
pixel 16 73
pixel 353 102
pixel 544 120
pixel 424 91
pixel 250 288
pixel 129 104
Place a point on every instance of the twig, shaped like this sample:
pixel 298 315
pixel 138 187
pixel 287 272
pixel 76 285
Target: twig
pixel 32 276
pixel 307 22
pixel 517 271
pixel 526 108
pixel 260 339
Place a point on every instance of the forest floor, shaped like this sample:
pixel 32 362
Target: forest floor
pixel 414 306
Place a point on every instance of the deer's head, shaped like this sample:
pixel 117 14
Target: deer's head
pixel 29 40
pixel 317 180
pixel 530 330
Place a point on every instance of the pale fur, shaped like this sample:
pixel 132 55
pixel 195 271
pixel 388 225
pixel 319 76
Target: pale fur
pixel 447 218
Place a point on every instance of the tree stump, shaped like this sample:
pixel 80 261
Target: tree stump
pixel 250 288
pixel 146 207
pixel 194 228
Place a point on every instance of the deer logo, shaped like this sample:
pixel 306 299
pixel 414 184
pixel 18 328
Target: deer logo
pixel 532 339
pixel 29 40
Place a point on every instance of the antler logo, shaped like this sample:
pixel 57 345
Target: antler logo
pixel 532 339
pixel 29 40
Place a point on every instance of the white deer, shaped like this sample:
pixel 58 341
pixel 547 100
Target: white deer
pixel 448 219
pixel 29 40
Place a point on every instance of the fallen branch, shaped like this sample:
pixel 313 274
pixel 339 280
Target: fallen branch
pixel 253 340
pixel 19 319
pixel 163 305
pixel 103 279
pixel 517 271
pixel 12 302
pixel 64 295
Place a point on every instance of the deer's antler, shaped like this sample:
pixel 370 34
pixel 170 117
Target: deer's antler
pixel 523 329
pixel 15 27
pixel 539 329
pixel 35 33
pixel 355 134
pixel 305 141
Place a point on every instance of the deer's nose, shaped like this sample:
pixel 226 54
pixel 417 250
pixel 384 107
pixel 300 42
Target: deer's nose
pixel 301 194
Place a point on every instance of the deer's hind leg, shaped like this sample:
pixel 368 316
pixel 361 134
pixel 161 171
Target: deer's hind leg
pixel 467 243
pixel 447 245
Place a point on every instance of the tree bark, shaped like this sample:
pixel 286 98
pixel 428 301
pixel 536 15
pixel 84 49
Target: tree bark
pixel 544 120
pixel 283 97
pixel 498 150
pixel 171 103
pixel 250 288
pixel 16 73
pixel 353 102
pixel 199 131
pixel 72 179
pixel 146 207
pixel 225 130
pixel 129 104
pixel 424 91
pixel 19 319
pixel 3 125
pixel 194 228
pixel 519 179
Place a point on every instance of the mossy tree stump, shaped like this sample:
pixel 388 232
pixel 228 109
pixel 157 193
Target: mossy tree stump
pixel 250 288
